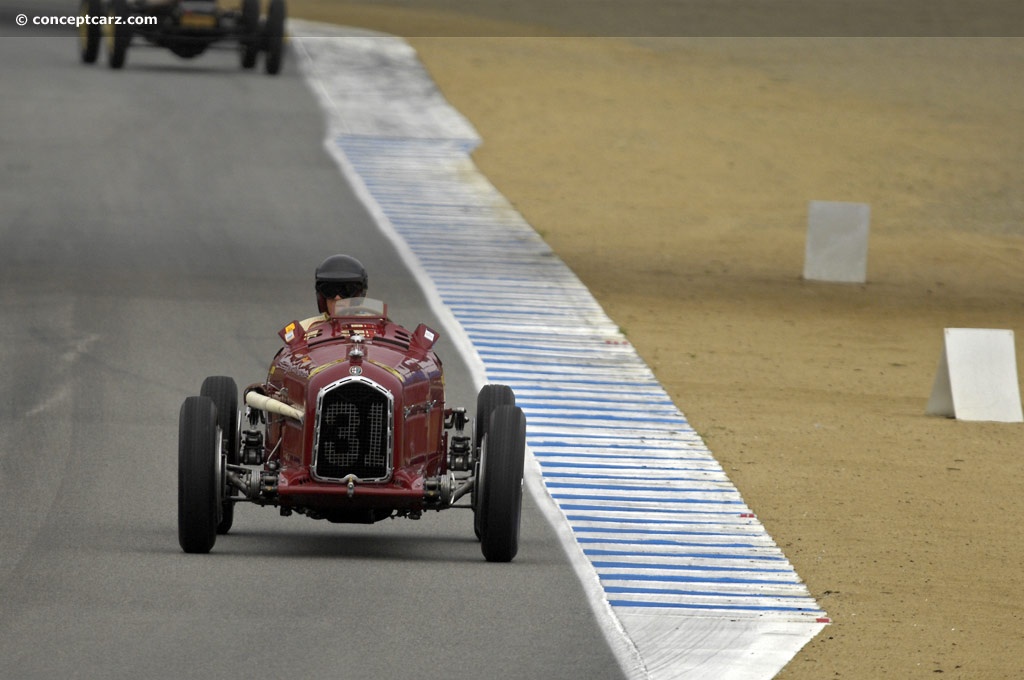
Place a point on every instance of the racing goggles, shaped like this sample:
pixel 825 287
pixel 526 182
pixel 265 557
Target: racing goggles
pixel 342 289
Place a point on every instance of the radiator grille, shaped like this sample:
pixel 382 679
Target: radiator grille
pixel 353 431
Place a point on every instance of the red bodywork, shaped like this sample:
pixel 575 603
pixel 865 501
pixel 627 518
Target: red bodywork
pixel 355 430
pixel 370 456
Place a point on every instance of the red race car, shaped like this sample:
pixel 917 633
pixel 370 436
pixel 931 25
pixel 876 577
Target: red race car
pixel 350 426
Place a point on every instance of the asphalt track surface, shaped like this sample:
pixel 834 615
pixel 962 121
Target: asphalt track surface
pixel 158 225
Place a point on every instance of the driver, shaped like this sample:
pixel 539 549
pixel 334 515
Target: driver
pixel 337 278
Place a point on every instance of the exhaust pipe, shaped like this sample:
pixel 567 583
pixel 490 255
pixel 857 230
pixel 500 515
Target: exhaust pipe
pixel 270 405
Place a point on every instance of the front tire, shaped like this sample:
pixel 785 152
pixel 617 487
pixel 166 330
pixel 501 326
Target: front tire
pixel 249 46
pixel 223 391
pixel 199 484
pixel 504 453
pixel 489 398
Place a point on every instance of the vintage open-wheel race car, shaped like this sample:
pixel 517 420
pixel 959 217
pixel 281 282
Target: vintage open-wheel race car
pixel 351 426
pixel 185 27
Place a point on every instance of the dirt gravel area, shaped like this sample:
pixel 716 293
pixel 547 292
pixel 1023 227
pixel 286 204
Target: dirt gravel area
pixel 673 176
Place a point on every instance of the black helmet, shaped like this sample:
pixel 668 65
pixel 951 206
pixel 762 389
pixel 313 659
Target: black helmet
pixel 339 275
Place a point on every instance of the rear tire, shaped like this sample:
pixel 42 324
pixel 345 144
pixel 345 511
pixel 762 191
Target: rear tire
pixel 118 34
pixel 199 467
pixel 489 398
pixel 274 36
pixel 223 391
pixel 502 496
pixel 90 35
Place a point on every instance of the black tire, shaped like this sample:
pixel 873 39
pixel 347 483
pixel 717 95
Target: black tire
pixel 502 494
pixel 90 35
pixel 198 475
pixel 273 36
pixel 119 35
pixel 249 44
pixel 223 391
pixel 489 398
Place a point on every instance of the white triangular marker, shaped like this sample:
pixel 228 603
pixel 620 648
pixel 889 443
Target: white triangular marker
pixel 977 377
pixel 837 242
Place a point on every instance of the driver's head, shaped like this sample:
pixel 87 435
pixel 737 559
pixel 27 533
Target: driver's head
pixel 339 276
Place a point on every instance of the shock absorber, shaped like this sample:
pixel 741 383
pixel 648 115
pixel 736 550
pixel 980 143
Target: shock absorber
pixel 252 447
pixel 460 453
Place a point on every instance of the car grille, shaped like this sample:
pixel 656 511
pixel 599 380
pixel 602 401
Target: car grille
pixel 353 431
